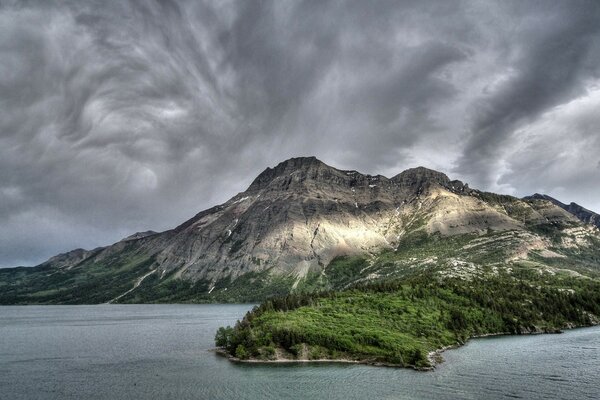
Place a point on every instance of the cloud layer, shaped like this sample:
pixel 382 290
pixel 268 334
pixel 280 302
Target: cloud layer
pixel 122 116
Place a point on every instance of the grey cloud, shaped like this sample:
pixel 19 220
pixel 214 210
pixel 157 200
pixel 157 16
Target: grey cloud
pixel 120 116
pixel 557 153
pixel 555 55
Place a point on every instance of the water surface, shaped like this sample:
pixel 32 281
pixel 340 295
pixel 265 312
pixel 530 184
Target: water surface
pixel 162 352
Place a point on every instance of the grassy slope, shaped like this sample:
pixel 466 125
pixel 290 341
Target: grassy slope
pixel 87 283
pixel 99 282
pixel 251 287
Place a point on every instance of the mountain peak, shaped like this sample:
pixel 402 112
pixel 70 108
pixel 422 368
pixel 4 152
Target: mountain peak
pixel 286 167
pixel 300 169
pixel 420 175
pixel 298 162
pixel 539 196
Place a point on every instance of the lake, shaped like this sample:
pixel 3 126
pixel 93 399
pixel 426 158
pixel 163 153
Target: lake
pixel 163 352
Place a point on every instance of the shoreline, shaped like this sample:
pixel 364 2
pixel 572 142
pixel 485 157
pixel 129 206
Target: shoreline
pixel 223 353
pixel 434 357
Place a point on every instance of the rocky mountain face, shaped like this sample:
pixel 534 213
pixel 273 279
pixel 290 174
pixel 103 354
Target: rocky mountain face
pixel 296 218
pixel 288 230
pixel 580 212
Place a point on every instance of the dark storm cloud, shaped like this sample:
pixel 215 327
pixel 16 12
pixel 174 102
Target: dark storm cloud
pixel 117 116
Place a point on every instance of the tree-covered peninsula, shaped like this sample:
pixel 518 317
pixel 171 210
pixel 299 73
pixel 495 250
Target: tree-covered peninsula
pixel 402 322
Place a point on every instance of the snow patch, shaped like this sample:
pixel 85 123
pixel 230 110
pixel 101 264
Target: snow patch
pixel 242 199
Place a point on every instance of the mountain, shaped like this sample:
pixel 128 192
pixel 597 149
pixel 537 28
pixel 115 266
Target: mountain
pixel 580 212
pixel 305 226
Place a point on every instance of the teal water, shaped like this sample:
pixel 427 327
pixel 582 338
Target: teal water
pixel 162 352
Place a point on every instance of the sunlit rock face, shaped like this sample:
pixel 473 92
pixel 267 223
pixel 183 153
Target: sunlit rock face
pixel 298 216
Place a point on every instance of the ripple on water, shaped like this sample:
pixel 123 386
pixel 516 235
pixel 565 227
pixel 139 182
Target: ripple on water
pixel 161 352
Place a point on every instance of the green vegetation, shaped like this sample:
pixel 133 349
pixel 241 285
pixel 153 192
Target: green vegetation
pixel 344 270
pixel 250 287
pixel 397 306
pixel 93 283
pixel 78 285
pixel 400 322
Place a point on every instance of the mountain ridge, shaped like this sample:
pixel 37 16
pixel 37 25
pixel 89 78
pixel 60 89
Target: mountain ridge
pixel 580 212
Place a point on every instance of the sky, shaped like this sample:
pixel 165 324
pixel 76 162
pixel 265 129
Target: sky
pixel 123 116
